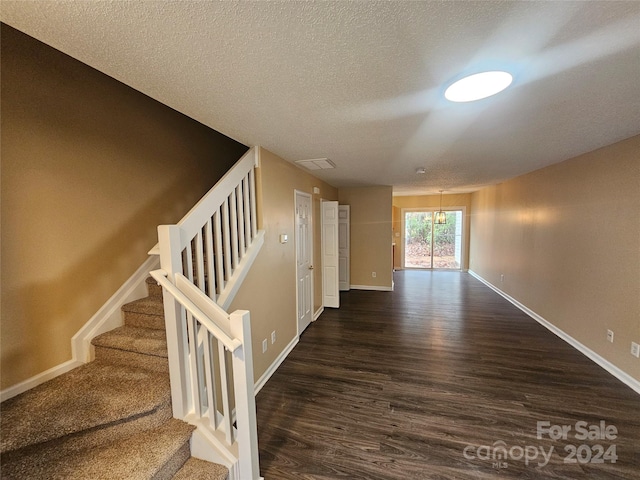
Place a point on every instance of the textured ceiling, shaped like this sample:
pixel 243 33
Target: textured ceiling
pixel 361 82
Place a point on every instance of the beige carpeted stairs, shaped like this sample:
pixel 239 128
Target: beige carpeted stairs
pixel 109 419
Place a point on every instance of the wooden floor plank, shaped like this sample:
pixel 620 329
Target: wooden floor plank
pixel 395 385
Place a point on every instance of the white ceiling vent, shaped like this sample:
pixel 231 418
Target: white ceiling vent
pixel 316 164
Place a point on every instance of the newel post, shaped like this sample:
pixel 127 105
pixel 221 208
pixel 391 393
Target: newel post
pixel 243 384
pixel 177 347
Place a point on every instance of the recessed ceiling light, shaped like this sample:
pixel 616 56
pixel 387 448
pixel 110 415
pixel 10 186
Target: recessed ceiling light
pixel 478 86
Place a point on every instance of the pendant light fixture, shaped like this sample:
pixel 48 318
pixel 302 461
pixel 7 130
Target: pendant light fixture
pixel 441 217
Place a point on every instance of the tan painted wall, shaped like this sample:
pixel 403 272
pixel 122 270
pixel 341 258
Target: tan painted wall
pixel 90 167
pixel 429 202
pixel 567 239
pixel 269 290
pixel 371 234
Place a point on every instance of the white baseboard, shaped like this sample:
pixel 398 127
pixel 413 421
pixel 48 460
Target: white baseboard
pixel 274 366
pixel 372 287
pixel 318 313
pixel 110 315
pixel 602 362
pixel 36 380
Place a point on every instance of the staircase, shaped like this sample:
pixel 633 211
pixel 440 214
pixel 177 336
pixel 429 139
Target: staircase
pixel 111 418
pixel 175 379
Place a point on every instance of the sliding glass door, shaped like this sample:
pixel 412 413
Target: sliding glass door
pixel 431 245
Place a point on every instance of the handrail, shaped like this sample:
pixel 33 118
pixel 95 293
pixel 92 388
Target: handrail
pixel 211 309
pixel 230 344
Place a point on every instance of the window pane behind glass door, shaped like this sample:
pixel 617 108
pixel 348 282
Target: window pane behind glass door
pixel 447 242
pixel 417 235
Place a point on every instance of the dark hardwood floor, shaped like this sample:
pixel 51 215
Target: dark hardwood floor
pixel 429 382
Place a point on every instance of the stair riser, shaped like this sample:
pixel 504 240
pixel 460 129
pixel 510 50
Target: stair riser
pixel 155 290
pixel 143 320
pixel 123 357
pixel 174 464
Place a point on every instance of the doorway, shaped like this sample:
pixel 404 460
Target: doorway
pixel 430 245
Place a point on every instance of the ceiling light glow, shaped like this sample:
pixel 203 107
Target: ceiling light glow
pixel 478 86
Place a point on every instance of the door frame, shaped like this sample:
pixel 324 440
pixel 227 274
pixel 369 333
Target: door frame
pixel 311 246
pixel 465 226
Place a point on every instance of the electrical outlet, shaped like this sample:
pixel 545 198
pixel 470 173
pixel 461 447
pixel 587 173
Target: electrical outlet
pixel 373 274
pixel 273 337
pixel 264 345
pixel 610 335
pixel 635 349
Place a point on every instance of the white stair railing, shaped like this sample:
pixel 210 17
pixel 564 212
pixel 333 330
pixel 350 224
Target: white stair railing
pixel 220 386
pixel 218 233
pixel 203 260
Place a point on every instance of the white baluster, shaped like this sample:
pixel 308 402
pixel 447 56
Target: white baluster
pixel 199 258
pixel 210 381
pixel 210 270
pixel 224 389
pixel 240 210
pixel 193 364
pixel 247 211
pixel 188 261
pixel 227 239
pixel 201 360
pixel 252 195
pixel 219 253
pixel 233 211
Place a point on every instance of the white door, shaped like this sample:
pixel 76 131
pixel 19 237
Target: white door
pixel 330 273
pixel 304 257
pixel 343 246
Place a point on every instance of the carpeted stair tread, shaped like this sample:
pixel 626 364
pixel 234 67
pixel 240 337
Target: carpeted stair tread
pixel 196 469
pixel 90 396
pixel 153 454
pixel 146 341
pixel 147 306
